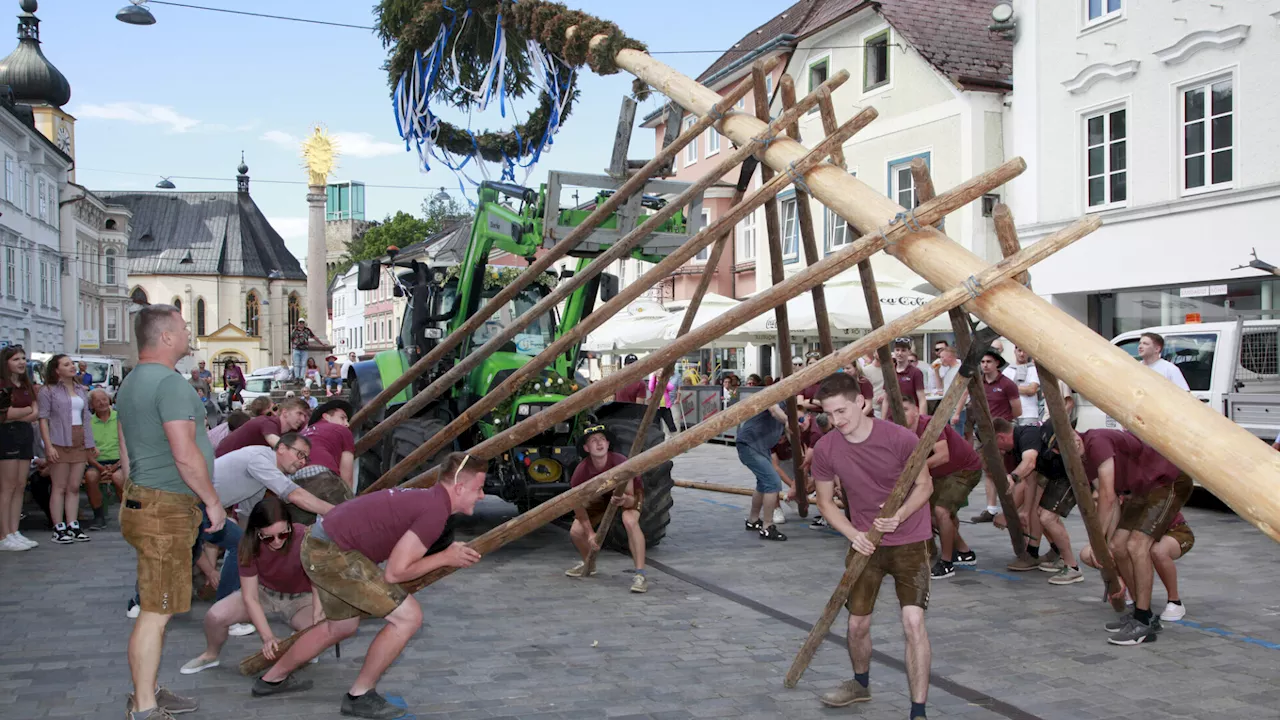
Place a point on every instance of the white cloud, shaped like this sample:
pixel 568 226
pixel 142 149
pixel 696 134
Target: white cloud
pixel 350 144
pixel 294 232
pixel 280 137
pixel 140 114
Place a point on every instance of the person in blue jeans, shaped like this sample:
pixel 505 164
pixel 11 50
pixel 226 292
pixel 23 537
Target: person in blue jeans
pixel 756 438
pixel 300 340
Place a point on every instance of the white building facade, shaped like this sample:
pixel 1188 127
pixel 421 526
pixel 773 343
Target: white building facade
pixel 346 329
pixel 32 299
pixel 1159 116
pixel 95 234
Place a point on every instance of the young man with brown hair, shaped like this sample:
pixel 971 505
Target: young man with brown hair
pixel 910 377
pixel 1022 446
pixel 341 554
pixel 1154 491
pixel 1150 351
pixel 1005 403
pixel 598 457
pixel 866 456
pixel 956 470
pixel 266 429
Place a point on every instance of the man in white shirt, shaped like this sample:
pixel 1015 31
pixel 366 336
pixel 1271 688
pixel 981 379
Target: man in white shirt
pixel 1149 349
pixel 1024 374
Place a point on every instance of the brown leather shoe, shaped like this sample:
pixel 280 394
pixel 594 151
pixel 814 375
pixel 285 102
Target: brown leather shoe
pixel 1024 563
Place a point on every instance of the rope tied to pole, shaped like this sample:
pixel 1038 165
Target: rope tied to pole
pixel 798 179
pixel 974 286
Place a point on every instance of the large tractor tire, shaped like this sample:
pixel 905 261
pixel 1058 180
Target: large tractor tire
pixel 409 436
pixel 655 512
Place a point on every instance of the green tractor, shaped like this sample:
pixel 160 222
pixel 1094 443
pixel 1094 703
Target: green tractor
pixel 518 221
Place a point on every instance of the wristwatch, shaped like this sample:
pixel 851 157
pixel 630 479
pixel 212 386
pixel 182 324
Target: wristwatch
pixel 1015 477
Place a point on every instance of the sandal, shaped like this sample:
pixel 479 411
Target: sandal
pixel 757 525
pixel 771 533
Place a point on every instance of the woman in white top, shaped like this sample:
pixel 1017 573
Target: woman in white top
pixel 68 445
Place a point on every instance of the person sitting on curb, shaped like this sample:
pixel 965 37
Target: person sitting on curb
pixel 271 582
pixel 597 458
pixel 341 553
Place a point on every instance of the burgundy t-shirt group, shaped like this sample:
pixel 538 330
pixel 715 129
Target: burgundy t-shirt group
pixel 586 470
pixel 1000 395
pixel 1139 469
pixel 328 442
pixel 252 433
pixel 960 454
pixel 372 524
pixel 280 570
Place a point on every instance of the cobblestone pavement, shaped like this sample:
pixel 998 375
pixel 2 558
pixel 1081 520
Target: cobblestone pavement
pixel 724 616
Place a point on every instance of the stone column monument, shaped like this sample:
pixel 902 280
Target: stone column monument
pixel 320 153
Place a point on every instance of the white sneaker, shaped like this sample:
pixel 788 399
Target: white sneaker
pixel 778 517
pixel 12 544
pixel 1173 613
pixel 241 629
pixel 25 540
pixel 133 611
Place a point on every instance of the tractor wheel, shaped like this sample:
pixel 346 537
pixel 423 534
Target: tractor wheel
pixel 409 436
pixel 655 512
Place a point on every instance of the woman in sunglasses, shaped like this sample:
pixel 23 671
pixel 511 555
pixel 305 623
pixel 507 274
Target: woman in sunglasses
pixel 272 582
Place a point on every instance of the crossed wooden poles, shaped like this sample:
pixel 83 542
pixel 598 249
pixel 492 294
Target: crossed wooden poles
pixel 1233 464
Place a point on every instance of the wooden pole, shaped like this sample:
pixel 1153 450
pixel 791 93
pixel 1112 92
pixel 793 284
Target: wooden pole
pixel 871 294
pixel 773 230
pixel 633 184
pixel 1007 236
pixel 629 293
pixel 1080 485
pixel 804 215
pixel 606 481
pixel 651 408
pixel 915 463
pixel 828 267
pixel 991 458
pixel 1224 457
pixel 714 487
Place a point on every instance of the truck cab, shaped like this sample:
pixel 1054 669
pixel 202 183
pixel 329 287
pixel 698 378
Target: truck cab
pixel 1230 366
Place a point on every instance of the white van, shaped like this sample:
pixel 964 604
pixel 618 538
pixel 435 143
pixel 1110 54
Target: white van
pixel 1230 366
pixel 105 369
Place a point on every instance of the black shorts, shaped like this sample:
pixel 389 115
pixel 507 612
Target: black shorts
pixel 17 441
pixel 1058 497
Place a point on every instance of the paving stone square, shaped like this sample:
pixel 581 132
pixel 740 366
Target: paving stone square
pixel 726 612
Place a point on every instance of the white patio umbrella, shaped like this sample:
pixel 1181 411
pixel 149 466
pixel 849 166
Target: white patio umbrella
pixel 639 326
pixel 713 305
pixel 846 313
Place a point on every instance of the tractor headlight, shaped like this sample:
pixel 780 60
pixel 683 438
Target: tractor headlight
pixel 562 428
pixel 523 411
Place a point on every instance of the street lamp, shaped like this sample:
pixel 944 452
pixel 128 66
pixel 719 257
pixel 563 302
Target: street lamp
pixel 442 196
pixel 136 14
pixel 166 184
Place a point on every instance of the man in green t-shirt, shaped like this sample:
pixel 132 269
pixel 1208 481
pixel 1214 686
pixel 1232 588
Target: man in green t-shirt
pixel 166 454
pixel 106 467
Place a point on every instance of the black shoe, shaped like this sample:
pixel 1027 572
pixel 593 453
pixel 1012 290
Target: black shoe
pixel 62 536
pixel 755 525
pixel 983 517
pixel 77 534
pixel 964 558
pixel 370 705
pixel 818 523
pixel 99 522
pixel 262 688
pixel 771 533
pixel 942 569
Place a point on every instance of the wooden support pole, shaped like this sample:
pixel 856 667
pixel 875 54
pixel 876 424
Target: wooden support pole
pixel 606 481
pixel 1224 457
pixel 540 265
pixel 991 458
pixel 773 231
pixel 629 293
pixel 871 294
pixel 1007 236
pixel 651 408
pixel 1080 485
pixel 858 562
pixel 827 268
pixel 714 487
pixel 804 215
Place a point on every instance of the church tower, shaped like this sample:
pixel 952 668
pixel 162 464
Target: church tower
pixel 34 81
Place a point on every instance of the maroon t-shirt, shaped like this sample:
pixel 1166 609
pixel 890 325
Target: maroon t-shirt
pixel 586 470
pixel 372 524
pixel 960 455
pixel 328 442
pixel 633 392
pixel 910 380
pixel 809 438
pixel 249 434
pixel 1138 467
pixel 869 470
pixel 280 570
pixel 1000 395
pixel 20 396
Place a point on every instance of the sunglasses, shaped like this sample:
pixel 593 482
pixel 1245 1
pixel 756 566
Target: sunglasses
pixel 273 538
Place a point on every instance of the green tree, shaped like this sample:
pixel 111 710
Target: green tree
pixel 402 230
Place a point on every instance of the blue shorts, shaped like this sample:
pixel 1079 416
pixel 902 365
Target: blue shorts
pixel 767 480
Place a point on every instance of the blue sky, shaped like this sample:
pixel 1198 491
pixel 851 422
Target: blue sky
pixel 183 97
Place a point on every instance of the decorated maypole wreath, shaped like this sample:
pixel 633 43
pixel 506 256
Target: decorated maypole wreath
pixel 468 54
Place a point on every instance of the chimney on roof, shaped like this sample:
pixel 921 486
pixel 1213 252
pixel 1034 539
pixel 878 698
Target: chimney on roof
pixel 242 180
